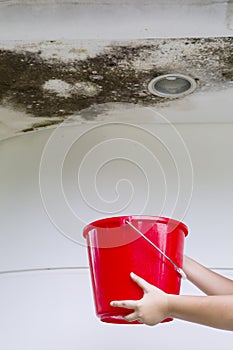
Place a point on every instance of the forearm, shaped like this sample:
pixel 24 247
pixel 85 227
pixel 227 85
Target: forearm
pixel 206 280
pixel 212 311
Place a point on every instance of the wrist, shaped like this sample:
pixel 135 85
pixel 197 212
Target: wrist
pixel 186 262
pixel 172 302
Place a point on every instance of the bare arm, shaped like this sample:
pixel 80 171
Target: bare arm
pixel 212 311
pixel 210 282
pixel 155 306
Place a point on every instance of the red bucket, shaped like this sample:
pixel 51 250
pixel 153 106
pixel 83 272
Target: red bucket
pixel 115 248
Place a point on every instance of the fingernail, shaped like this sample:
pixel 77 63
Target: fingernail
pixel 112 303
pixel 132 274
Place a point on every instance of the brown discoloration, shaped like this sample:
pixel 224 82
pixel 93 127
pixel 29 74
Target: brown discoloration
pixel 122 74
pixel 43 124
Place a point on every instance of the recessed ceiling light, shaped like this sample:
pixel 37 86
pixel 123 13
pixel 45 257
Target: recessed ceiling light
pixel 172 85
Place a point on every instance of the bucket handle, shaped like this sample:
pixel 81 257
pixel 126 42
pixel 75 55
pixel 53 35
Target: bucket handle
pixel 177 268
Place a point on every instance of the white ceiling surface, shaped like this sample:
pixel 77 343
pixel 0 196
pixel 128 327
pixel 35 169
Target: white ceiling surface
pixel 97 23
pixel 71 20
pixel 40 210
pixel 201 107
pixel 209 18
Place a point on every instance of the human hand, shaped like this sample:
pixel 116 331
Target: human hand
pixel 151 309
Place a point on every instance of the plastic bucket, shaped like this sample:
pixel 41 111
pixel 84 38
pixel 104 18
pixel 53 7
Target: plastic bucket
pixel 115 250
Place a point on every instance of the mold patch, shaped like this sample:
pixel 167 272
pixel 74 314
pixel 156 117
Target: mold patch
pixel 57 87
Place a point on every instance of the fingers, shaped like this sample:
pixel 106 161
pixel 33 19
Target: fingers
pixel 128 304
pixel 132 317
pixel 141 282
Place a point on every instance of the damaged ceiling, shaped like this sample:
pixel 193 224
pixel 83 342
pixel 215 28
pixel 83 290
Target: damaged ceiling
pixel 43 83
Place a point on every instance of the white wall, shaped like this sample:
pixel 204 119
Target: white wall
pixel 54 309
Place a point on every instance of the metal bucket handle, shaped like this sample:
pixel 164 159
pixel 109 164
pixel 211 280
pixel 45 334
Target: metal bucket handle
pixel 177 268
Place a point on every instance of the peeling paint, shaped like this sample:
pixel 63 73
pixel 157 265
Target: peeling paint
pixel 57 86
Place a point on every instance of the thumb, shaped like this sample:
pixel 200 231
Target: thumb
pixel 141 282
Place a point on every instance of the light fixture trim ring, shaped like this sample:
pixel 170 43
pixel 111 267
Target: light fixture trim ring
pixel 152 85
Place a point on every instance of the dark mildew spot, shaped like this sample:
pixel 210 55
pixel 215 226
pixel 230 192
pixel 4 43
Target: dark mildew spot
pixel 51 88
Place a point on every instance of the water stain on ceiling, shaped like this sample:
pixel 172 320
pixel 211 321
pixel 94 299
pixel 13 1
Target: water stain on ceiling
pixel 57 86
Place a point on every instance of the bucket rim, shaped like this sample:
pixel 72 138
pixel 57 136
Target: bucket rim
pixel 160 219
